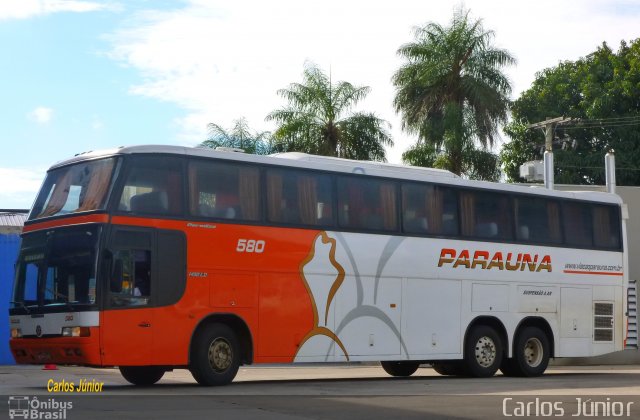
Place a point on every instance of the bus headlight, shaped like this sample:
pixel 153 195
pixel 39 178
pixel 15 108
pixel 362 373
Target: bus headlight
pixel 76 332
pixel 16 333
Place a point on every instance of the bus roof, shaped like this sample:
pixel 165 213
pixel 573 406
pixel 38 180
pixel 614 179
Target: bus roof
pixel 333 164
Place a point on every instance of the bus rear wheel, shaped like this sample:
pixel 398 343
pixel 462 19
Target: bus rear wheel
pixel 400 368
pixel 483 351
pixel 531 353
pixel 142 375
pixel 215 355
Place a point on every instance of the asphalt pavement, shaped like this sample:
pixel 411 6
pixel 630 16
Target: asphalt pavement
pixel 324 392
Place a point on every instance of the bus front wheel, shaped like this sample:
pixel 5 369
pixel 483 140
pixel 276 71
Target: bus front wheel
pixel 142 375
pixel 215 355
pixel 483 352
pixel 400 368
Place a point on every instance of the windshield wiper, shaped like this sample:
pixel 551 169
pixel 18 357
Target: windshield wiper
pixel 57 294
pixel 21 304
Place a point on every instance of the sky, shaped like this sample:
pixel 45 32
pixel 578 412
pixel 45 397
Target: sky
pixel 79 75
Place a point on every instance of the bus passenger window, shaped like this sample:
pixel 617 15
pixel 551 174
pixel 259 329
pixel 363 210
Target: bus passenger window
pixel 299 198
pixel 429 209
pixel 153 186
pixel 150 202
pixel 537 220
pixel 449 199
pixel 578 227
pixel 282 198
pixel 485 215
pixel 414 208
pixel 76 188
pixel 365 203
pixel 606 227
pixel 224 191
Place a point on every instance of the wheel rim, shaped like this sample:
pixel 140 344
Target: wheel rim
pixel 485 352
pixel 220 355
pixel 533 352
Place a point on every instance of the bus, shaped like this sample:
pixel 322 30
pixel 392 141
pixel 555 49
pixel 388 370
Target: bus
pixel 153 258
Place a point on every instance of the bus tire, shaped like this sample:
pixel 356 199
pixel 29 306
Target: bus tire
pixel 483 351
pixel 531 352
pixel 450 368
pixel 142 375
pixel 400 368
pixel 215 355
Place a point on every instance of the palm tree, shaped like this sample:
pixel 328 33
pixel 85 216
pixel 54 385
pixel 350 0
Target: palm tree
pixel 451 91
pixel 318 120
pixel 240 136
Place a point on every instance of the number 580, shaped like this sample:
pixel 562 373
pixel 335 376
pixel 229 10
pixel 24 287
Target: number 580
pixel 250 245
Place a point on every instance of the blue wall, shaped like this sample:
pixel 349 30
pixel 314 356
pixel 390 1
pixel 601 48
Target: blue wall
pixel 9 246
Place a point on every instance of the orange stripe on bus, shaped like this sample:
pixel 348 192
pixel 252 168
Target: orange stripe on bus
pixel 66 221
pixel 599 273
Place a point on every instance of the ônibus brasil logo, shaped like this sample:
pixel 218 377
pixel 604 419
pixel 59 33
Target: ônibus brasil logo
pixel 32 408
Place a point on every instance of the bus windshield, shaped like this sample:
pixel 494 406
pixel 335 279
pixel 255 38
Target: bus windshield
pixel 56 270
pixel 75 188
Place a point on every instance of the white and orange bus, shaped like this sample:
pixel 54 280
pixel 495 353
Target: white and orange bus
pixel 152 258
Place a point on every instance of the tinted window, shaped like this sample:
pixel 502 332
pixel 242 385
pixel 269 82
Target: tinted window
pixel 537 220
pixel 578 226
pixel 26 287
pixel 606 226
pixel 224 191
pixel 367 204
pixel 130 283
pixel 76 188
pixel 172 266
pixel 60 274
pixel 429 209
pixel 148 267
pixel 153 185
pixel 299 198
pixel 485 215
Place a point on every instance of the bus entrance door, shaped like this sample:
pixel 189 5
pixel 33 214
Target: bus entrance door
pixel 127 332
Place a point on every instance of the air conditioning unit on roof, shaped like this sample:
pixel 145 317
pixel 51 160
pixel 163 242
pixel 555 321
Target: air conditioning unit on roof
pixel 532 170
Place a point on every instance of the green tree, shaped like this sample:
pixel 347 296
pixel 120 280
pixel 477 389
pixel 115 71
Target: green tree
pixel 318 120
pixel 476 163
pixel 601 93
pixel 239 136
pixel 452 94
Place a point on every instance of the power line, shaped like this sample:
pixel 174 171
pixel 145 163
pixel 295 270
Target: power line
pixel 580 123
pixel 609 118
pixel 595 167
pixel 595 124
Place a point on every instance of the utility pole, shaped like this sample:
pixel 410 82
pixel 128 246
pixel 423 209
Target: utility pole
pixel 548 127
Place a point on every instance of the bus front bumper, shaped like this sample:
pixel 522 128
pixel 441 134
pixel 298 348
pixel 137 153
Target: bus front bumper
pixel 58 350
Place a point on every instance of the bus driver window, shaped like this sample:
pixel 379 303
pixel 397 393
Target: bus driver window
pixel 131 278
